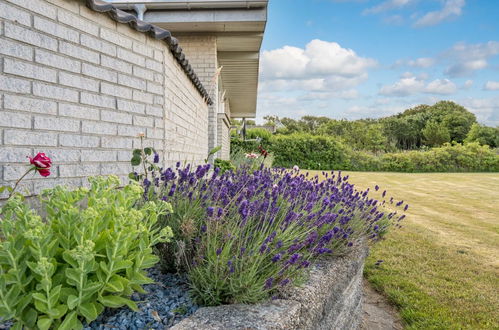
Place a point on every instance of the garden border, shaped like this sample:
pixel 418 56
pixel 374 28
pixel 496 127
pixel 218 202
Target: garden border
pixel 330 299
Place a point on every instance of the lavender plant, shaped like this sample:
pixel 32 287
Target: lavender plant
pixel 245 234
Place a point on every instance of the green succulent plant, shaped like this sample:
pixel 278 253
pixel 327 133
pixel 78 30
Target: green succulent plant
pixel 89 252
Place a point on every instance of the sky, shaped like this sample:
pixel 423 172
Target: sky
pixel 372 58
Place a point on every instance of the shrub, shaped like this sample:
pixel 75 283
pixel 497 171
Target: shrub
pixel 470 157
pixel 87 253
pixel 243 234
pixel 224 165
pixel 308 152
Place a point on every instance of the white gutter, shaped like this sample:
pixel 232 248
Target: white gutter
pixel 189 4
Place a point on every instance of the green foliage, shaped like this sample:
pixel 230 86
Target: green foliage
pixel 224 165
pixel 212 152
pixel 484 135
pixel 435 134
pixel 470 157
pixel 308 152
pixel 359 135
pixel 89 252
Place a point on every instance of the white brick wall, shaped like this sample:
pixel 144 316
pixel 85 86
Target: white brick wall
pixel 80 87
pixel 202 54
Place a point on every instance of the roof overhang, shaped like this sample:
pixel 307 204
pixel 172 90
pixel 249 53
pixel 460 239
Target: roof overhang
pixel 238 25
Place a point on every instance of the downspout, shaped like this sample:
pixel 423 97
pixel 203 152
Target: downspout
pixel 140 9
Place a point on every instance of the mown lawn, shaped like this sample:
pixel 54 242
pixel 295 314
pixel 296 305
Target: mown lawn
pixel 442 268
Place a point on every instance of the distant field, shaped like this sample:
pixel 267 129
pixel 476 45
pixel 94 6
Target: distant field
pixel 442 268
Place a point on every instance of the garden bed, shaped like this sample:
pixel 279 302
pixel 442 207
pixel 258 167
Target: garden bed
pixel 330 299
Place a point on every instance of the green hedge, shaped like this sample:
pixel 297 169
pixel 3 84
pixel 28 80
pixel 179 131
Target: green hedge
pixel 471 157
pixel 308 152
pixel 326 153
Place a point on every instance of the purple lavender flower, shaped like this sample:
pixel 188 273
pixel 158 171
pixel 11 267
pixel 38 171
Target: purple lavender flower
pixel 406 207
pixel 156 158
pixel 268 283
pixel 209 211
pixel 277 257
pixel 219 251
pixel 231 266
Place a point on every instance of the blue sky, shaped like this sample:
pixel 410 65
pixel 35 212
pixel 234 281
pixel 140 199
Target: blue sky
pixel 370 58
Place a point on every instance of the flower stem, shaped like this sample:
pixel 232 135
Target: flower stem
pixel 19 180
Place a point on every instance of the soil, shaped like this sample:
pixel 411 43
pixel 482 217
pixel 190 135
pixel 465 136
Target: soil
pixel 378 314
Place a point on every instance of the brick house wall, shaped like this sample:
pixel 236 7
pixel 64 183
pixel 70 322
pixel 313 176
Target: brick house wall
pixel 202 53
pixel 79 86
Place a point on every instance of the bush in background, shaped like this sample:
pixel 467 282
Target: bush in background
pixel 313 152
pixel 470 157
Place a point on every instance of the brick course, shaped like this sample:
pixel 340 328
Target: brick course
pixel 79 87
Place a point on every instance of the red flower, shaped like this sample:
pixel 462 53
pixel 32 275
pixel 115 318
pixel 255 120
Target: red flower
pixel 42 163
pixel 263 151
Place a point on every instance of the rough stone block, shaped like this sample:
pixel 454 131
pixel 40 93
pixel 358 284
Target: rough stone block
pixel 77 111
pixel 98 45
pixel 15 119
pixel 100 128
pixel 16 49
pixel 28 70
pixel 16 85
pixel 55 92
pixel 98 100
pixel 79 52
pixel 29 36
pixel 78 81
pixel 116 117
pixel 79 141
pixel 29 138
pixel 55 29
pixel 16 102
pixel 78 22
pixel 56 124
pixel 57 61
pixel 99 72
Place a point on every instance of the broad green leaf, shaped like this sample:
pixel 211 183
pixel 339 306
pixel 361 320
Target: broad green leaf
pixel 71 322
pixel 54 295
pixel 59 311
pixel 89 311
pixel 133 176
pixel 44 323
pixel 112 301
pixel 41 306
pixel 73 276
pixel 136 160
pixel 148 151
pixel 115 285
pixel 72 301
pixel 29 317
pixel 137 152
pixel 40 297
pixel 149 261
pixel 123 264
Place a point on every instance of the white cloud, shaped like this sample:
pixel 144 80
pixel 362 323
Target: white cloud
pixel 404 87
pixel 450 9
pixel 320 66
pixel 468 58
pixel 318 59
pixel 486 109
pixel 386 6
pixel 421 62
pixel 467 84
pixel 491 86
pixel 441 86
pixel 411 85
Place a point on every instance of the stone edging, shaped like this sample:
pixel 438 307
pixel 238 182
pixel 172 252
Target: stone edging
pixel 331 299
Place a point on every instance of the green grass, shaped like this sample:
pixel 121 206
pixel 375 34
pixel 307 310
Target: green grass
pixel 442 268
